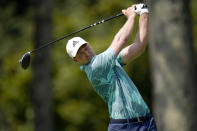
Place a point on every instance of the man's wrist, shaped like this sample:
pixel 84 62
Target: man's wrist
pixel 143 17
pixel 132 16
pixel 145 14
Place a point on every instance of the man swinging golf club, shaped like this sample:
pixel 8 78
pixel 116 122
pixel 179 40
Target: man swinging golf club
pixel 127 109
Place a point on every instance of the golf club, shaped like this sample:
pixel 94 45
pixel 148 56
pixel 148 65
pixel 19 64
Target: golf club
pixel 26 58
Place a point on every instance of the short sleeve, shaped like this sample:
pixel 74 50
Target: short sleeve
pixel 119 59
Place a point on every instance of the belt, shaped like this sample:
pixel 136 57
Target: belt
pixel 136 119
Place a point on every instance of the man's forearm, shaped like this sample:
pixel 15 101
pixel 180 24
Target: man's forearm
pixel 143 29
pixel 135 49
pixel 123 35
pixel 125 32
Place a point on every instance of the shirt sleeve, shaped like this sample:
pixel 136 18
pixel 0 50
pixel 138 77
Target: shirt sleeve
pixel 119 59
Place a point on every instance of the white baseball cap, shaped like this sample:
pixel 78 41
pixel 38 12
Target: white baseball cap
pixel 73 46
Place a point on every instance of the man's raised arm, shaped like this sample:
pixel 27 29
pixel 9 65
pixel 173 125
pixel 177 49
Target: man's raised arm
pixel 124 33
pixel 135 49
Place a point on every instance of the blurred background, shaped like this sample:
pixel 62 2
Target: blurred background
pixel 54 95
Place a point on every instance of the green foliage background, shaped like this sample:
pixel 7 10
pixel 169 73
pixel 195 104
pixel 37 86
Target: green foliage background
pixel 76 106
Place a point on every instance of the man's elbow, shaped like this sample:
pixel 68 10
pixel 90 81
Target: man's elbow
pixel 143 48
pixel 141 44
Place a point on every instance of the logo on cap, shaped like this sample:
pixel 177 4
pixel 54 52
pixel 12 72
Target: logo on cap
pixel 75 42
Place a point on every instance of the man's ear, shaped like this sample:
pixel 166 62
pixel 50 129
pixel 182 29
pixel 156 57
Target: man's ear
pixel 75 60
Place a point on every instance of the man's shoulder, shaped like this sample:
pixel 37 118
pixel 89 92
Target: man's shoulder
pixel 109 52
pixel 101 61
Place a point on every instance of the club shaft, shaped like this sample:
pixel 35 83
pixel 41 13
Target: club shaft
pixel 52 42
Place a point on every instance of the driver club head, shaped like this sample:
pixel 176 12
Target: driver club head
pixel 25 60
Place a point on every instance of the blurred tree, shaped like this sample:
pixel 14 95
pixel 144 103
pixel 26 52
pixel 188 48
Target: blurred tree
pixel 41 87
pixel 15 35
pixel 173 65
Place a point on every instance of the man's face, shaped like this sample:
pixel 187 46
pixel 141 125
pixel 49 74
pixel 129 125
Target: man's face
pixel 84 55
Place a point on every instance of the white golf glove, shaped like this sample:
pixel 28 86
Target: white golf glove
pixel 141 8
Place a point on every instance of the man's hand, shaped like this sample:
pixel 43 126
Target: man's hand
pixel 129 12
pixel 141 8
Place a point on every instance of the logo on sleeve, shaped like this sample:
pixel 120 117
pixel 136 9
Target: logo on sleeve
pixel 74 43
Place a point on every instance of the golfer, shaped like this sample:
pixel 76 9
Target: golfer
pixel 127 109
